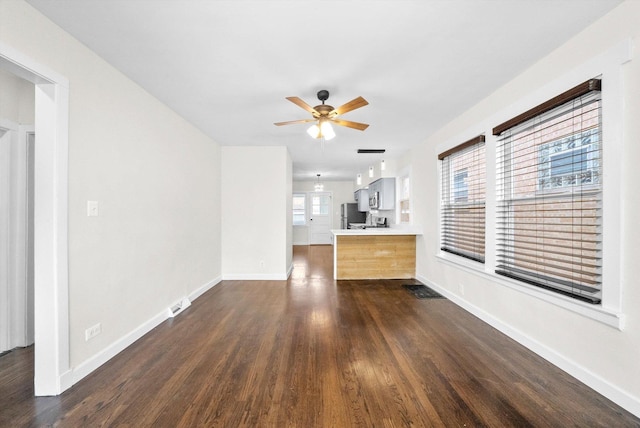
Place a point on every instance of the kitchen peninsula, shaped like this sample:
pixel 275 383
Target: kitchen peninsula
pixel 376 253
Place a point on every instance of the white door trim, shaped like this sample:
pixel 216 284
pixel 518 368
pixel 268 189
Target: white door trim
pixel 7 339
pixel 51 285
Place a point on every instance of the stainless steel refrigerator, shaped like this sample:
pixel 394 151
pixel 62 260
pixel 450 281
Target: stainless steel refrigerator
pixel 349 214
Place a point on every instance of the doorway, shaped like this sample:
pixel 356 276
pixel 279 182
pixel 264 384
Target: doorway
pixel 52 373
pixel 16 232
pixel 320 218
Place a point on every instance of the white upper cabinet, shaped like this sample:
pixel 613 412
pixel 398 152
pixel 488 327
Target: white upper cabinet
pixel 362 198
pixel 382 194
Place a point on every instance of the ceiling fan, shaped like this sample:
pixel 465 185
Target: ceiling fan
pixel 324 114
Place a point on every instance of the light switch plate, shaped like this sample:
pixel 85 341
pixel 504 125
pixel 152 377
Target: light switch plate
pixel 92 208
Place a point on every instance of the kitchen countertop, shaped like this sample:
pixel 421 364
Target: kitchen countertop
pixel 376 231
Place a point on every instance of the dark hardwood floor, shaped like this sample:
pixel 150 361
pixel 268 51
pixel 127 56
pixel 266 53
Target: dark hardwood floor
pixel 310 352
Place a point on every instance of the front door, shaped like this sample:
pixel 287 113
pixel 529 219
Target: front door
pixel 320 218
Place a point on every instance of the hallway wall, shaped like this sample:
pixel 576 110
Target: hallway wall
pixel 156 179
pixel 17 102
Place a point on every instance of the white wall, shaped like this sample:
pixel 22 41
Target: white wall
pixel 289 214
pixel 256 212
pixel 17 102
pixel 601 355
pixel 157 180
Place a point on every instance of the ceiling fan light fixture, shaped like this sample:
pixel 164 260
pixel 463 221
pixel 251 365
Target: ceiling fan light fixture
pixel 322 129
pixel 324 114
pixel 326 131
pixel 314 131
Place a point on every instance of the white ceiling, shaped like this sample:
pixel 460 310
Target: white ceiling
pixel 227 66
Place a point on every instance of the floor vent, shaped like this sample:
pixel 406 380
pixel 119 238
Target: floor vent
pixel 421 291
pixel 178 307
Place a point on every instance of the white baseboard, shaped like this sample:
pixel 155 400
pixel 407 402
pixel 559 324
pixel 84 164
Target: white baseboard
pixel 88 366
pixel 66 381
pixel 255 276
pixel 592 380
pixel 201 290
pixel 289 270
pixel 79 372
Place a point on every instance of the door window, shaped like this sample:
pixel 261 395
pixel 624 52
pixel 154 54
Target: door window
pixel 320 205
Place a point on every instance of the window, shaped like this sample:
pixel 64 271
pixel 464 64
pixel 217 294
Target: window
pixel 569 161
pixel 299 214
pixel 549 202
pixel 460 187
pixel 462 199
pixel 320 204
pixel 405 206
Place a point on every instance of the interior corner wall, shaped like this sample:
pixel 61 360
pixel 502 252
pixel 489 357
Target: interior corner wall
pixel 605 357
pixel 289 214
pixel 157 182
pixel 17 102
pixel 256 183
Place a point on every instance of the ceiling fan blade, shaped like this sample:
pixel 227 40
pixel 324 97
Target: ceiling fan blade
pixel 355 125
pixel 297 101
pixel 293 122
pixel 351 105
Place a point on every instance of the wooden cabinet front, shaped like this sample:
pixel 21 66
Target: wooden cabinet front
pixel 375 256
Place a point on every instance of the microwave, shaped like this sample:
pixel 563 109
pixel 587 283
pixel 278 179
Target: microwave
pixel 374 200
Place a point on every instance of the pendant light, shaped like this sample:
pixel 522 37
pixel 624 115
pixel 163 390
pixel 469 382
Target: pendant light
pixel 318 187
pixel 359 179
pixel 371 172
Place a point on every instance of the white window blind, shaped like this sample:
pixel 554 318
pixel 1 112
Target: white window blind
pixel 462 201
pixel 549 212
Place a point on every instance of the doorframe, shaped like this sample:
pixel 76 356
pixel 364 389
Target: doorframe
pixel 8 133
pixel 52 373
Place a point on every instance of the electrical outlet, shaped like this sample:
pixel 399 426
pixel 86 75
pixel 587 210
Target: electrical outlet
pixel 92 331
pixel 262 264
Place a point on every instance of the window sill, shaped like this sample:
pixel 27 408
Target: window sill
pixel 594 312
